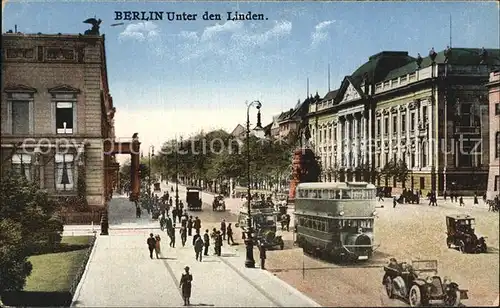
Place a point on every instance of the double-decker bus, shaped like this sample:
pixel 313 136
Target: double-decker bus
pixel 336 219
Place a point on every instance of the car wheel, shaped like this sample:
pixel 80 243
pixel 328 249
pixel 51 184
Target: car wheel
pixel 452 300
pixel 461 246
pixel 484 248
pixel 389 287
pixel 282 245
pixel 449 242
pixel 415 296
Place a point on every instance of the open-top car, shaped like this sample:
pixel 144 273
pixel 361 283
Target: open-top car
pixel 461 235
pixel 193 198
pixel 419 285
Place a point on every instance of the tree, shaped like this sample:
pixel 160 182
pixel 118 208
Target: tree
pixel 29 225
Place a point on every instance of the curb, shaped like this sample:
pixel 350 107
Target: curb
pixel 79 287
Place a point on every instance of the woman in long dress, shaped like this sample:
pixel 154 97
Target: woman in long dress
pixel 157 247
pixel 185 285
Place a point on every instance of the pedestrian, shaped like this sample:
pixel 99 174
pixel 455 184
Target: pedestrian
pixel 262 251
pixel 230 240
pixel 380 195
pixel 394 202
pixel 183 219
pixel 196 236
pixel 185 286
pixel 287 222
pixel 223 229
pixel 197 224
pixel 157 246
pixel 475 199
pixel 151 244
pixel 183 233
pixel 190 226
pixel 198 248
pixel 174 214
pixel 172 236
pixel 163 222
pixel 206 241
pixel 218 243
pixel 445 195
pixel 461 201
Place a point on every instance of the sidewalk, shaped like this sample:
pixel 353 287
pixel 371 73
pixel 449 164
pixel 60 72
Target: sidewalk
pixel 120 273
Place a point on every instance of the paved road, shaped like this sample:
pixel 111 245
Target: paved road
pixel 406 232
pixel 120 272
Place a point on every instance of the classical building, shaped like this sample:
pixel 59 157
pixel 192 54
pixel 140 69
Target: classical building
pixel 57 116
pixel 494 171
pixel 430 113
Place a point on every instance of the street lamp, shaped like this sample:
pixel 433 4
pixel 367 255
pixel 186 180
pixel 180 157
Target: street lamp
pixel 150 154
pixel 250 261
pixel 177 173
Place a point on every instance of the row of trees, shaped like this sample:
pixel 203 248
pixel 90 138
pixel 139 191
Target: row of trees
pixel 28 225
pixel 216 156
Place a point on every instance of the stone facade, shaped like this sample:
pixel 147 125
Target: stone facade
pixel 494 170
pixel 430 113
pixel 56 111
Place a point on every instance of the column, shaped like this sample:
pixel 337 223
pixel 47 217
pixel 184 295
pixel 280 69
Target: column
pixel 348 142
pixel 407 136
pixel 364 124
pixel 430 144
pixel 356 139
pixel 398 129
pixel 370 137
pixel 382 139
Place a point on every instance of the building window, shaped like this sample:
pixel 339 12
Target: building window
pixel 378 87
pixel 64 117
pixel 386 158
pixel 412 121
pixel 395 157
pixel 403 123
pixel 330 134
pixel 386 126
pixel 378 127
pixel 21 164
pixel 335 134
pixel 497 109
pixel 394 82
pixel 378 160
pixel 424 154
pixel 20 117
pixel 422 182
pixel 497 180
pixel 403 79
pixel 412 76
pixel 497 145
pixel 64 172
pixel 424 113
pixel 412 160
pixel 466 118
pixel 387 84
pixel 395 125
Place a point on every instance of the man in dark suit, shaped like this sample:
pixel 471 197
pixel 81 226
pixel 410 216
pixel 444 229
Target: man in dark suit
pixel 151 244
pixel 206 241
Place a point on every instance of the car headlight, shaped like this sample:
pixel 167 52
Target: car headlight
pixel 374 213
pixel 446 280
pixel 429 280
pixel 341 213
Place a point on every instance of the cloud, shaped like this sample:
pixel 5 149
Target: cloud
pixel 140 31
pixel 320 33
pixel 232 40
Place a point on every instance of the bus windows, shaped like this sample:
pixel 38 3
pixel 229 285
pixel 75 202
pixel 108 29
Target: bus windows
pixel 346 194
pixel 331 194
pixel 317 194
pixel 358 194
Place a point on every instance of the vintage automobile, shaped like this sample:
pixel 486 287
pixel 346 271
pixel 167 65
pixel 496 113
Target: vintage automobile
pixel 264 223
pixel 193 198
pixel 219 204
pixel 419 284
pixel 460 235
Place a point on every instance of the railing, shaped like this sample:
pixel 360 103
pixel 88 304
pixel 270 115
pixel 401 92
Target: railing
pixel 78 218
pixel 467 130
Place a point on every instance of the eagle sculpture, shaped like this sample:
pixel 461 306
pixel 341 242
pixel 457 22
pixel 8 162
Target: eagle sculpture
pixel 95 26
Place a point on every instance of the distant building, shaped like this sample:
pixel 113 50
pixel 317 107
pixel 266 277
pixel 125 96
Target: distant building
pixel 56 114
pixel 494 170
pixel 431 113
pixel 239 131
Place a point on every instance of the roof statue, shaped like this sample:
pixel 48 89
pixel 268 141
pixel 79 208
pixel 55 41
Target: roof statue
pixel 95 26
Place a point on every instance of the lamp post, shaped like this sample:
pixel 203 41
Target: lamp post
pixel 250 261
pixel 150 154
pixel 177 173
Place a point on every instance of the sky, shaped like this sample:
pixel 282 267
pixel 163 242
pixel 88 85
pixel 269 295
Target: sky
pixel 173 78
